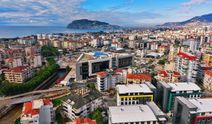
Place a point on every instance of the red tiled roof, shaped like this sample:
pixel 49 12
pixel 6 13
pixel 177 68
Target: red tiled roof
pixel 208 72
pixel 102 74
pixel 176 74
pixel 85 121
pixel 118 70
pixel 163 73
pixel 18 69
pixel 28 109
pixel 139 76
pixel 186 56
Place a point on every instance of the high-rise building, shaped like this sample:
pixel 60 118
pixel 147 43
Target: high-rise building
pixel 186 65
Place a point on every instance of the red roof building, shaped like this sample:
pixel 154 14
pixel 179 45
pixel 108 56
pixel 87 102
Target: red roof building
pixel 138 78
pixel 85 121
pixel 186 56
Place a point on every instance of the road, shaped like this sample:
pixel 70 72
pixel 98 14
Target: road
pixel 15 112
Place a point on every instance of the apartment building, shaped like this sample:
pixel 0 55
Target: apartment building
pixel 81 105
pixel 18 74
pixel 186 65
pixel 88 64
pixel 132 94
pixel 108 79
pixel 168 91
pixel 207 81
pixel 168 76
pixel 136 114
pixel 192 111
pixel 38 112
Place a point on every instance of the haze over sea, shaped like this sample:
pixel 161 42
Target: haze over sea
pixel 20 31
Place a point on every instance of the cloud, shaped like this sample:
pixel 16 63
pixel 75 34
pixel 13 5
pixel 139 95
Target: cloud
pixel 194 2
pixel 51 12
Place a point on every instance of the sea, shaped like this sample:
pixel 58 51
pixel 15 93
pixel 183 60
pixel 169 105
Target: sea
pixel 21 31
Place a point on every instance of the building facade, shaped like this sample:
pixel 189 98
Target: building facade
pixel 108 79
pixel 168 91
pixel 18 74
pixel 133 94
pixel 192 111
pixel 88 64
pixel 186 65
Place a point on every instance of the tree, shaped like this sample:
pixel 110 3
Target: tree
pixel 49 51
pixel 96 115
pixel 162 62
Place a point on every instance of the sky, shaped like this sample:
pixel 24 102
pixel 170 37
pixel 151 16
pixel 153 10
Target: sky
pixel 118 12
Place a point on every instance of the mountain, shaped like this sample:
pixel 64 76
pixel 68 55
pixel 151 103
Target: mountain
pixel 91 24
pixel 193 21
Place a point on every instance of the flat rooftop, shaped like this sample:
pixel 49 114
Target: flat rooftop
pixel 133 88
pixel 132 113
pixel 204 105
pixel 184 86
pixel 99 55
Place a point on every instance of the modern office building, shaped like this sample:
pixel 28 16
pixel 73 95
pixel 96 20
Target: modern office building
pixel 88 64
pixel 81 105
pixel 132 94
pixel 186 65
pixel 38 112
pixel 192 111
pixel 168 91
pixel 136 114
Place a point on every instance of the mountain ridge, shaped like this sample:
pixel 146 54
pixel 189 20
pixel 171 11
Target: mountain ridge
pixel 207 18
pixel 91 24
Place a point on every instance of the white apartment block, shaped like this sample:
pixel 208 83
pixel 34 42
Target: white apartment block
pixel 186 65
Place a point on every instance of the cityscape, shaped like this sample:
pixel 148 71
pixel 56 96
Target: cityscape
pixel 105 62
